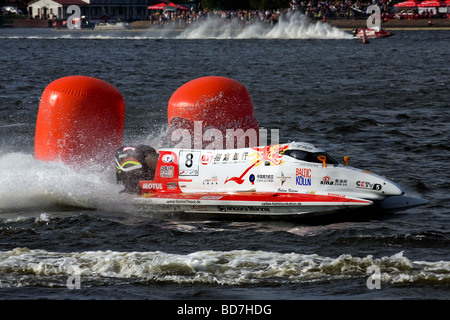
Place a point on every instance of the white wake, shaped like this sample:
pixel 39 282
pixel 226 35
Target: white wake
pixel 289 26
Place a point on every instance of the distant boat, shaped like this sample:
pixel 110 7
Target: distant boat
pixel 111 26
pixel 371 33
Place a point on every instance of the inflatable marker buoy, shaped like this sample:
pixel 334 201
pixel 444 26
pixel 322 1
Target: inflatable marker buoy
pixel 80 119
pixel 207 107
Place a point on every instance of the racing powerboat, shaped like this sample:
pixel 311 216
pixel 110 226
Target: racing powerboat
pixel 291 179
pixel 371 33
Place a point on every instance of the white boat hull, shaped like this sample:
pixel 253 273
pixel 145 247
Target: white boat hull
pixel 266 204
pixel 295 179
pixel 265 208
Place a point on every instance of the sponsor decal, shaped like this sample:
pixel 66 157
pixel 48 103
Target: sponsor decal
pixel 183 201
pixel 240 209
pixel 211 181
pixel 168 158
pixel 336 182
pixel 264 178
pixel 368 185
pixel 302 177
pixel 164 207
pixel 206 158
pixel 282 204
pixel 188 173
pixel 301 146
pixel 211 198
pixel 217 157
pixel 166 171
pixel 240 179
pixel 283 178
pixel 340 182
pixel 171 185
pixel 287 190
pixel 229 157
pixel 336 195
pixel 307 148
pixel 269 154
pixel 152 185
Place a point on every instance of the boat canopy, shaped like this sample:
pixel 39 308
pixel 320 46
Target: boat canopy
pixel 310 156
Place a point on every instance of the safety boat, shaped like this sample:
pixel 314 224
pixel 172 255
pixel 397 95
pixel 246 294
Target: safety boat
pixel 371 33
pixel 291 179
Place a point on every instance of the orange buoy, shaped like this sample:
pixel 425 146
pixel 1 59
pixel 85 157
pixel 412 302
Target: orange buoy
pixel 80 119
pixel 214 103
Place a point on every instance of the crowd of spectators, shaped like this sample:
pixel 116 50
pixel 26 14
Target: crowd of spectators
pixel 348 9
pixel 344 9
pixel 313 9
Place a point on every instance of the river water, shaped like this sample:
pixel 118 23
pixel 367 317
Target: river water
pixel 65 234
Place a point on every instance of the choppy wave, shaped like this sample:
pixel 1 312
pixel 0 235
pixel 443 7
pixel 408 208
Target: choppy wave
pixel 22 267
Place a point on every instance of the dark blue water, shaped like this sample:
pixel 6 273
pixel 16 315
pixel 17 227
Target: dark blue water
pixel 385 104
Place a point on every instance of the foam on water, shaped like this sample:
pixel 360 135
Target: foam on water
pixel 28 183
pixel 237 267
pixel 290 26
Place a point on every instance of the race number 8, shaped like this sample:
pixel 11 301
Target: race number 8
pixel 189 158
pixel 188 164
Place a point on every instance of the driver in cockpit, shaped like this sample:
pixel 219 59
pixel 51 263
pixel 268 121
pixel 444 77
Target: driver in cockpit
pixel 133 164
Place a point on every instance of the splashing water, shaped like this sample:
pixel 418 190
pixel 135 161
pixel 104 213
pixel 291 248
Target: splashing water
pixel 30 183
pixel 290 26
